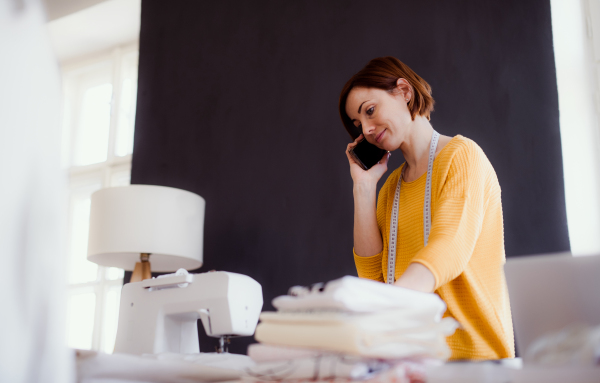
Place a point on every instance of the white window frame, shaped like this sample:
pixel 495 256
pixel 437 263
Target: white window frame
pixel 102 173
pixel 576 34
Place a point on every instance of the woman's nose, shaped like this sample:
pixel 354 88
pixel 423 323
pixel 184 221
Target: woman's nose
pixel 368 129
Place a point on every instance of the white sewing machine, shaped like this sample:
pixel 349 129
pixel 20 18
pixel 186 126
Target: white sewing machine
pixel 160 314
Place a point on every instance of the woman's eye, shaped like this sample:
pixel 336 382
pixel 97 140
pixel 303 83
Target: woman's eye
pixel 370 111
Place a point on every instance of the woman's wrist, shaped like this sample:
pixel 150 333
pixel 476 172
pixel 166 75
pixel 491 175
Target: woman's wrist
pixel 364 188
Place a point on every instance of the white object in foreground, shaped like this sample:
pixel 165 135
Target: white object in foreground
pixel 95 367
pixel 390 334
pixel 359 317
pixel 352 294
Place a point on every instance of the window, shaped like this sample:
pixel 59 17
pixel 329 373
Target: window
pixel 576 37
pixel 99 97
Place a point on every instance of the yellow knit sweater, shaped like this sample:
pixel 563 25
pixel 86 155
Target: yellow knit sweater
pixel 465 251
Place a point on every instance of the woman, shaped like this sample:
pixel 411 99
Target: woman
pixel 455 248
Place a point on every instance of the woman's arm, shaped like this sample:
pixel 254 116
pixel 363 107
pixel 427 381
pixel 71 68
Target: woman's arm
pixel 367 237
pixel 459 215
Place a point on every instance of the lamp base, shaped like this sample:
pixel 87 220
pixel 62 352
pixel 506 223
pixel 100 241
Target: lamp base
pixel 142 269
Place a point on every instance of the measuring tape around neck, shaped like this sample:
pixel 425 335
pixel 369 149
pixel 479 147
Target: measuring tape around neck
pixel 426 211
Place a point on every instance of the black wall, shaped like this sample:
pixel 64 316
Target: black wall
pixel 237 102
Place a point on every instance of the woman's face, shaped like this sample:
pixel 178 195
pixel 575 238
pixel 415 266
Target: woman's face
pixel 383 117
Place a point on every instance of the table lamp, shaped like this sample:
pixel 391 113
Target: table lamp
pixel 131 226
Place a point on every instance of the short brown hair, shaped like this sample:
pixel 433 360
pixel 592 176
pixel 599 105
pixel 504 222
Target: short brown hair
pixel 383 73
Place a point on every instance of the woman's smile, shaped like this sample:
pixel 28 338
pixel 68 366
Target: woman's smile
pixel 380 136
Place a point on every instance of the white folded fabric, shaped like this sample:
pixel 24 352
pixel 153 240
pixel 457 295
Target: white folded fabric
pixel 95 367
pixel 359 317
pixel 387 319
pixel 319 370
pixel 260 353
pixel 322 367
pixel 209 359
pixel 389 334
pixel 359 295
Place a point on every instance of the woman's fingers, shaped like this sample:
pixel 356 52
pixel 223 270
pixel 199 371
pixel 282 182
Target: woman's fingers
pixel 381 167
pixel 350 157
pixel 355 142
pixel 350 146
pixel 357 172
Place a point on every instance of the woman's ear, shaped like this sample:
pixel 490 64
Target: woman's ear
pixel 404 89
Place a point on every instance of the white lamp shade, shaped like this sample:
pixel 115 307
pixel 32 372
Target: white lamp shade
pixel 166 222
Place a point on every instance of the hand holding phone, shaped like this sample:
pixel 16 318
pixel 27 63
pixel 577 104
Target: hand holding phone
pixel 366 154
pixel 366 165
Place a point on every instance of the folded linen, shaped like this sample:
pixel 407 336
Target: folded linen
pixel 209 359
pixel 352 294
pixel 95 367
pixel 388 319
pixel 315 371
pixel 389 334
pixel 323 367
pixel 260 353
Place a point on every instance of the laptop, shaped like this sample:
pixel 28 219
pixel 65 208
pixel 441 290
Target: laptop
pixel 548 292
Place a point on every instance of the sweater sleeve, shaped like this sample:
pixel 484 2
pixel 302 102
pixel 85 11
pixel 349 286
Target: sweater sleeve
pixel 457 220
pixel 371 267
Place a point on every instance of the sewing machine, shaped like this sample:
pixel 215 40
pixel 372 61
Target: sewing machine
pixel 160 314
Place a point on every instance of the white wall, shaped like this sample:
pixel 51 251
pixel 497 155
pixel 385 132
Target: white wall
pixel 100 27
pixel 59 8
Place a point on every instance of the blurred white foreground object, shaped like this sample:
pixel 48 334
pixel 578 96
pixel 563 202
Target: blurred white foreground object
pixel 352 294
pixel 551 292
pixel 575 345
pixel 133 226
pixel 160 315
pixel 32 210
pixel 359 317
pixel 95 367
pixel 323 368
pixel 389 334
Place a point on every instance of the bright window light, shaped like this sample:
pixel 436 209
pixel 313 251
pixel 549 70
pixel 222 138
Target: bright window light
pixel 113 273
pixel 80 320
pixel 81 270
pixel 111 319
pixel 126 121
pixel 98 127
pixel 93 128
pixel 575 73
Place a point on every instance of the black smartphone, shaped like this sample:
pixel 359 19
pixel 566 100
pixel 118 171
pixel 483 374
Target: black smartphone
pixel 367 154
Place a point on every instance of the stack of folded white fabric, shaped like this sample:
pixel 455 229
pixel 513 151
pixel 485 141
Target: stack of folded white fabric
pixel 349 329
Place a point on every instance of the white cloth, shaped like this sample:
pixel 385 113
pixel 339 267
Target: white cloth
pixel 32 203
pixel 95 367
pixel 210 359
pixel 321 367
pixel 340 369
pixel 352 294
pixel 574 345
pixel 260 352
pixel 388 334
